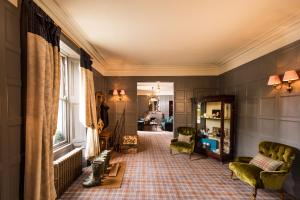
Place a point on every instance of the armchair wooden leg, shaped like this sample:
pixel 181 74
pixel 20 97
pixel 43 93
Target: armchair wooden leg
pixel 231 176
pixel 282 195
pixel 190 156
pixel 170 151
pixel 254 193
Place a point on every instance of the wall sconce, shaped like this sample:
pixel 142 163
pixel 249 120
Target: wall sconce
pixel 275 81
pixel 289 77
pixel 119 94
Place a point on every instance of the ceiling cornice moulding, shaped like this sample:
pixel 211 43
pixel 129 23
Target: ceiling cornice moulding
pixel 71 29
pixel 284 34
pixel 158 70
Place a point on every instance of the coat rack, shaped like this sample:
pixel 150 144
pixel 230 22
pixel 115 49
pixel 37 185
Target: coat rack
pixel 104 135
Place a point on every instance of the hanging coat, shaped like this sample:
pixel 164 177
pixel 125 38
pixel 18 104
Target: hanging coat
pixel 104 114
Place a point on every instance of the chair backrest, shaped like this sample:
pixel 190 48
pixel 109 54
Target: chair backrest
pixel 280 152
pixel 186 131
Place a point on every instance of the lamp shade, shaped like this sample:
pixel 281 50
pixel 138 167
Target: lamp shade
pixel 274 80
pixel 122 92
pixel 115 92
pixel 290 76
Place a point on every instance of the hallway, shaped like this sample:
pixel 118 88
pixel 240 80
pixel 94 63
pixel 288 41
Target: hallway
pixel 154 174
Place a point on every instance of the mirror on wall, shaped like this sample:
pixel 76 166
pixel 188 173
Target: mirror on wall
pixel 153 103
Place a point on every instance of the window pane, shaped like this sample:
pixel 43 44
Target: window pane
pixel 61 131
pixel 62 85
pixel 60 134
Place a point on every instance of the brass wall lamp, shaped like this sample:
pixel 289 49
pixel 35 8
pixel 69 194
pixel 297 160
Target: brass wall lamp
pixel 289 77
pixel 119 94
pixel 275 81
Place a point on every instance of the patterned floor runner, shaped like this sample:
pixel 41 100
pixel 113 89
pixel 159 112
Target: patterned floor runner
pixel 155 174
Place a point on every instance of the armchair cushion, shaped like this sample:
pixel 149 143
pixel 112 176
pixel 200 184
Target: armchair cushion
pixel 184 138
pixel 246 172
pixel 182 147
pixel 265 163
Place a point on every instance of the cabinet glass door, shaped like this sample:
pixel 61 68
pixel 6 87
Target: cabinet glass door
pixel 227 128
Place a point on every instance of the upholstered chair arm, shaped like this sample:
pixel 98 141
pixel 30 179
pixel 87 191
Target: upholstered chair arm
pixel 273 179
pixel 243 159
pixel 174 140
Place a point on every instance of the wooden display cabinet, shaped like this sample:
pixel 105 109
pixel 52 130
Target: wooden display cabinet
pixel 215 126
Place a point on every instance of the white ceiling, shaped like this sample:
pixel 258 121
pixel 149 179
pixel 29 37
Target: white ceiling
pixel 134 35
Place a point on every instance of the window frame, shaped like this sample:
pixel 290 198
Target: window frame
pixel 65 99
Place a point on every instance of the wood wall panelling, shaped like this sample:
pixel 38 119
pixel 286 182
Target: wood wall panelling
pixel 267 127
pixel 289 132
pixel 289 106
pixel 10 101
pixel 252 107
pixel 179 94
pixel 179 107
pixel 267 106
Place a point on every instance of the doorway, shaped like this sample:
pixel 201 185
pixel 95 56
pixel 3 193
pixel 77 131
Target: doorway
pixel 155 106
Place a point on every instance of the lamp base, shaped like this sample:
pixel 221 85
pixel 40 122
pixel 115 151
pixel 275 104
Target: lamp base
pixel 289 88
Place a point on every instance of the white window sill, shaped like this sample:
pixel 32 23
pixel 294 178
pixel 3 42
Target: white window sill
pixel 58 152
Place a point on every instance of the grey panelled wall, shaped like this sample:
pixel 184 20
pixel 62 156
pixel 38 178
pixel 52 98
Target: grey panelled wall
pixel 265 113
pixel 99 81
pixel 185 88
pixel 10 101
pixel 142 105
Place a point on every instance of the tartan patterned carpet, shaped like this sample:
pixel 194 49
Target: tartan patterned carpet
pixel 155 174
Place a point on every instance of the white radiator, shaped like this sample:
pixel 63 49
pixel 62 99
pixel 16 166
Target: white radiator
pixel 66 169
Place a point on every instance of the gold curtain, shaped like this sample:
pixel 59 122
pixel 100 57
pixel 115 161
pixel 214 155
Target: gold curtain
pixel 88 107
pixel 41 59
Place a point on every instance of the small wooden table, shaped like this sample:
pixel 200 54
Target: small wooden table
pixel 104 136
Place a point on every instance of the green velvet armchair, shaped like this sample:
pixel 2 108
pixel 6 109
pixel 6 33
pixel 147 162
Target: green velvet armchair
pixel 184 147
pixel 256 177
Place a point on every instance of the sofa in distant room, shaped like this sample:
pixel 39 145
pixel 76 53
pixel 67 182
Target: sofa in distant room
pixel 141 123
pixel 167 124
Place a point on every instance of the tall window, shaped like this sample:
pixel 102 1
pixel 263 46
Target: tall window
pixel 69 128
